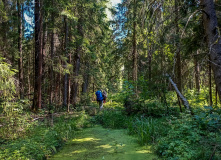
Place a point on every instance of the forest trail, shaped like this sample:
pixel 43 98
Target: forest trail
pixel 99 143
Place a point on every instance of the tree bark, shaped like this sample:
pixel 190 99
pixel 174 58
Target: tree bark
pixel 52 57
pixel 4 30
pixel 77 59
pixel 66 53
pixel 197 73
pixel 134 43
pixel 86 78
pixel 185 102
pixel 69 76
pixel 20 62
pixel 38 58
pixel 210 84
pixel 214 42
pixel 149 63
pixel 178 57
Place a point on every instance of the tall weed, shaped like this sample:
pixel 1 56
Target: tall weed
pixel 112 119
pixel 147 129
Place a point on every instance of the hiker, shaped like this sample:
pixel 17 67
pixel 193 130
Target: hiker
pixel 104 94
pixel 99 99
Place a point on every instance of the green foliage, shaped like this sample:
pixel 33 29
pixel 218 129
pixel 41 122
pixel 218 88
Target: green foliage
pixel 43 141
pixel 7 88
pixel 112 119
pixel 14 123
pixel 186 140
pixel 208 119
pixel 146 129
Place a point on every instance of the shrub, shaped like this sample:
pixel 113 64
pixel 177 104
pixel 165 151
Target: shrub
pixel 42 141
pixel 186 140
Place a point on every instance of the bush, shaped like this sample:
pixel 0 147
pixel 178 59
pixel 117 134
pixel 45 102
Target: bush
pixel 43 141
pixel 186 140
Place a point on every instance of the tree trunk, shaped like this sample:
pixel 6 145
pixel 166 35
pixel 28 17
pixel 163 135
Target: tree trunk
pixel 134 43
pixel 38 57
pixel 216 96
pixel 52 56
pixel 20 65
pixel 29 81
pixel 197 73
pixel 210 84
pixel 185 102
pixel 44 76
pixel 4 30
pixel 149 63
pixel 86 78
pixel 211 31
pixel 69 76
pixel 77 59
pixel 69 87
pixel 66 53
pixel 178 58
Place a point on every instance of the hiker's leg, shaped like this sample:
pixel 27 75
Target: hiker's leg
pixel 101 104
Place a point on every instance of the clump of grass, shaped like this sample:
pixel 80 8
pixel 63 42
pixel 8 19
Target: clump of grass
pixel 112 119
pixel 146 129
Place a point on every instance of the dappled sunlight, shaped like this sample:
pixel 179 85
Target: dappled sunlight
pixel 106 146
pixel 144 151
pixel 99 143
pixel 79 151
pixel 85 140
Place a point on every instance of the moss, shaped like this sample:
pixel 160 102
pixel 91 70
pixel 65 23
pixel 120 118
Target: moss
pixel 98 143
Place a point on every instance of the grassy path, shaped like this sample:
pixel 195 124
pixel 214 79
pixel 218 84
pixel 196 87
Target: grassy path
pixel 98 143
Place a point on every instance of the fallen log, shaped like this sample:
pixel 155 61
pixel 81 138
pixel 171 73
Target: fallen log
pixel 184 100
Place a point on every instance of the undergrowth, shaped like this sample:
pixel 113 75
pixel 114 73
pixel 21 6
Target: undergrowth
pixel 42 141
pixel 178 136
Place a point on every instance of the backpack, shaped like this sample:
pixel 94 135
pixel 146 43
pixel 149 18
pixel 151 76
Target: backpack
pixel 99 96
pixel 104 94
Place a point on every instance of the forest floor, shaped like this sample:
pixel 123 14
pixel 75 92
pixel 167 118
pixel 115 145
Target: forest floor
pixel 98 143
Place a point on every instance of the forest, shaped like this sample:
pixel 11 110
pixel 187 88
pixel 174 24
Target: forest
pixel 158 60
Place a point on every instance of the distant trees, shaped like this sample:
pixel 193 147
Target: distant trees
pixel 75 48
pixel 169 39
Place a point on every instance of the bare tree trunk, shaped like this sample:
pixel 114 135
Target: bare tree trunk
pixel 210 84
pixel 135 56
pixel 214 42
pixel 86 78
pixel 38 57
pixel 197 73
pixel 69 87
pixel 216 96
pixel 4 30
pixel 149 63
pixel 69 76
pixel 20 63
pixel 185 102
pixel 66 52
pixel 52 57
pixel 77 59
pixel 178 58
pixel 44 76
pixel 29 81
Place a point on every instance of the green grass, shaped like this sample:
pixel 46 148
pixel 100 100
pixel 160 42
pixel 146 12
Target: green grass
pixel 100 143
